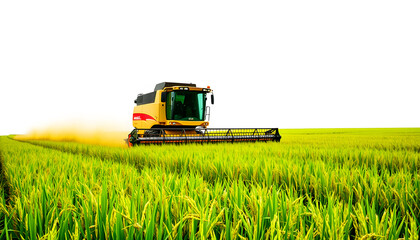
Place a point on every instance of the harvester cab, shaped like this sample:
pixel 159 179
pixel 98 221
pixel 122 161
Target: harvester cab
pixel 178 113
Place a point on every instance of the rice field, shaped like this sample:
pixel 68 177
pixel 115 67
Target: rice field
pixel 314 184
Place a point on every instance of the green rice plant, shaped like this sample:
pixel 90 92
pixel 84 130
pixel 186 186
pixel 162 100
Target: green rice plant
pixel 315 184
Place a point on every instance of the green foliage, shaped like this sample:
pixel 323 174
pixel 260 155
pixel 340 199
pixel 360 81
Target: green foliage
pixel 315 184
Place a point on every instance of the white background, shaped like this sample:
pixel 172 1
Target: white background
pixel 294 64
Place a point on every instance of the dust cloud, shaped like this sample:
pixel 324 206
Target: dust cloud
pixel 105 134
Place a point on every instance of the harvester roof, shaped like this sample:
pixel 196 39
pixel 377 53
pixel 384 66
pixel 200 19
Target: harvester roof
pixel 162 85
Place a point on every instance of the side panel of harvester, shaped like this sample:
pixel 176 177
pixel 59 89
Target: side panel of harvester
pixel 148 112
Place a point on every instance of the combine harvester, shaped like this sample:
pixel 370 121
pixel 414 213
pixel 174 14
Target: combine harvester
pixel 177 113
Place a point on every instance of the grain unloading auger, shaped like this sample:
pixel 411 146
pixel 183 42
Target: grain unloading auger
pixel 177 113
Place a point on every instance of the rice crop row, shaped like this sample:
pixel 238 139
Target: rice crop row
pixel 325 190
pixel 379 175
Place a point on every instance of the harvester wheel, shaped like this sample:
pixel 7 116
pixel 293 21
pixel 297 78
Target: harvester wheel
pixel 129 140
pixel 132 137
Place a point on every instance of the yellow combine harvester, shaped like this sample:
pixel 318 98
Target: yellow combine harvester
pixel 177 113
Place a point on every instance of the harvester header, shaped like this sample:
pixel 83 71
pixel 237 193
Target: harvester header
pixel 178 113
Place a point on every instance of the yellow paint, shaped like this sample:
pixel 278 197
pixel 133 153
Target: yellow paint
pixel 153 109
pixel 157 110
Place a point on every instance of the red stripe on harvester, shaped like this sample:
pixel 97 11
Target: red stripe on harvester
pixel 142 116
